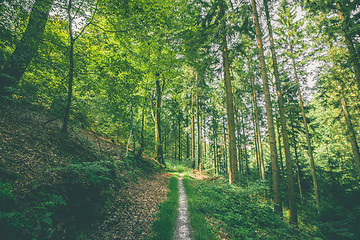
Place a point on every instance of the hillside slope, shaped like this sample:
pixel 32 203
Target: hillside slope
pixel 56 187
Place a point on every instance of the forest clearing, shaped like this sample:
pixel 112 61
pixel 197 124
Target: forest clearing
pixel 179 119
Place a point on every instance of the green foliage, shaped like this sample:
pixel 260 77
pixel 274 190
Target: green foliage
pixel 201 228
pixel 33 218
pixel 166 218
pixel 235 212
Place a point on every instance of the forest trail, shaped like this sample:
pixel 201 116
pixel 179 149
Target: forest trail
pixel 182 230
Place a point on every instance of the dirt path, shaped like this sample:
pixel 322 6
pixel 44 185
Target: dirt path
pixel 133 213
pixel 182 231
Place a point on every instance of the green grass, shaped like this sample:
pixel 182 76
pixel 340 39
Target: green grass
pixel 164 226
pixel 201 229
pixel 234 212
pixel 184 166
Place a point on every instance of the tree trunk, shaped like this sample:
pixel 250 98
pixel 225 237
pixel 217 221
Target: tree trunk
pixel 297 163
pixel 193 132
pixel 233 169
pixel 279 143
pixel 269 115
pixel 179 137
pixel 187 139
pixel 198 155
pixel 308 142
pixel 71 72
pixel 350 128
pixel 289 167
pixel 204 136
pixel 239 140
pixel 247 171
pixel 257 125
pixel 225 149
pixel 24 52
pixel 158 141
pixel 215 155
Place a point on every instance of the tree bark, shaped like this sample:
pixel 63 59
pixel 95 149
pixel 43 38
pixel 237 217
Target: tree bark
pixel 158 141
pixel 297 162
pixel 257 125
pixel 269 115
pixel 279 143
pixel 198 133
pixel 233 168
pixel 187 139
pixel 247 171
pixel 193 132
pixel 179 126
pixel 24 52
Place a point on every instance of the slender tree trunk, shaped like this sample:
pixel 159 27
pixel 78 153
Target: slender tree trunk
pixel 239 140
pixel 257 125
pixel 215 154
pixel 270 119
pixel 24 52
pixel 289 167
pixel 350 128
pixel 256 145
pixel 142 139
pixel 204 136
pixel 193 132
pixel 225 149
pixel 158 141
pixel 297 163
pixel 71 72
pixel 233 169
pixel 279 142
pixel 308 142
pixel 198 133
pixel 245 148
pixel 179 138
pixel 187 140
pixel 354 56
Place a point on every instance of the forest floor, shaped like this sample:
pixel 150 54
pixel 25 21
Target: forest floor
pixel 133 212
pixel 32 158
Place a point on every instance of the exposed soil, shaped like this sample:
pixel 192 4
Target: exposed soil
pixel 182 230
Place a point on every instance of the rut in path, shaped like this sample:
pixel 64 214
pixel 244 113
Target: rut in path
pixel 182 230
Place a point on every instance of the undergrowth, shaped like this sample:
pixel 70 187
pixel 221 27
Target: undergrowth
pixel 165 223
pixel 235 213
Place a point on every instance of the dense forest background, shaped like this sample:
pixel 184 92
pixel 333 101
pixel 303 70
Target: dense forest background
pixel 254 91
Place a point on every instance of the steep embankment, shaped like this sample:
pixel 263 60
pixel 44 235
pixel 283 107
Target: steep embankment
pixel 56 187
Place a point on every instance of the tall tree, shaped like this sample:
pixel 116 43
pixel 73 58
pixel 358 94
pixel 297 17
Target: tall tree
pixel 233 168
pixel 26 49
pixel 72 39
pixel 269 114
pixel 289 167
pixel 157 120
pixel 286 19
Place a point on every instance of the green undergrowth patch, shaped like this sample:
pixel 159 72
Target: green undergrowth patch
pixel 201 229
pixel 235 212
pixel 164 225
pixel 184 166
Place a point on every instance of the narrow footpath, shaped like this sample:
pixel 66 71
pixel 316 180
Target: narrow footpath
pixel 182 230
